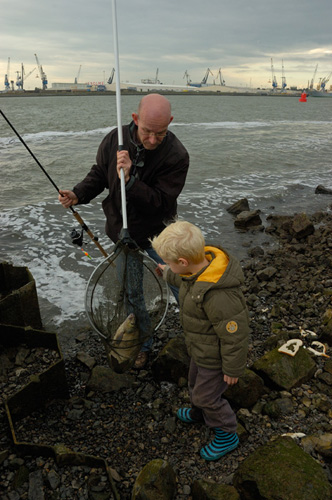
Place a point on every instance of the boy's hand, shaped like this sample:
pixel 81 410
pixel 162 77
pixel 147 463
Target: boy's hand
pixel 230 380
pixel 160 269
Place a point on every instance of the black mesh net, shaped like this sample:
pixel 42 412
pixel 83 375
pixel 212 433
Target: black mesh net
pixel 126 301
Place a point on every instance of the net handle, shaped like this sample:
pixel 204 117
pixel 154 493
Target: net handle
pixel 118 113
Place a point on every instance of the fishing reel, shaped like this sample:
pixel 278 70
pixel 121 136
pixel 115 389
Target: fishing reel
pixel 76 237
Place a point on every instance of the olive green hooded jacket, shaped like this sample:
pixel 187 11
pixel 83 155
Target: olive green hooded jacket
pixel 213 313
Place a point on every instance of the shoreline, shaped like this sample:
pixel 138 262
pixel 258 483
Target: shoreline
pixel 124 92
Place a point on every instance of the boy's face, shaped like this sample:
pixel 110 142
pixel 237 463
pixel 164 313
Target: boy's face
pixel 179 267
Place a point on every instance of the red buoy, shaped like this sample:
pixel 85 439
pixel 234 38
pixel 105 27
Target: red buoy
pixel 303 97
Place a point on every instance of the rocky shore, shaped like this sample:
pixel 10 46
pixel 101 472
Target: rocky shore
pixel 131 422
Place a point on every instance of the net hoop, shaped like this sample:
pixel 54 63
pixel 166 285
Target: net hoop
pixel 149 265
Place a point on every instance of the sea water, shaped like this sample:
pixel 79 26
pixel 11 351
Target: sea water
pixel 274 151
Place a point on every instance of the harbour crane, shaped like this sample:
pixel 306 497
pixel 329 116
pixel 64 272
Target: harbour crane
pixel 221 79
pixel 22 78
pixel 283 78
pixel 110 80
pixel 7 84
pixel 208 72
pixel 19 80
pixel 186 75
pixel 78 74
pixel 203 82
pixel 274 79
pixel 42 74
pixel 151 81
pixel 324 81
pixel 311 86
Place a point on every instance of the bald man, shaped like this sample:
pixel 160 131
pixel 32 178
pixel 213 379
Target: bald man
pixel 155 165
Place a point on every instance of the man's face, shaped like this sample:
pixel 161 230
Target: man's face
pixel 150 133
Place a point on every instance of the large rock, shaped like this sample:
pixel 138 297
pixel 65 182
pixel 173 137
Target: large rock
pixel 239 206
pixel 247 391
pixel 322 190
pixel 302 226
pixel 282 371
pixel 321 444
pixel 281 470
pixel 266 274
pixel 172 363
pixel 279 224
pixel 248 219
pixel 156 481
pixel 103 379
pixel 298 227
pixel 208 490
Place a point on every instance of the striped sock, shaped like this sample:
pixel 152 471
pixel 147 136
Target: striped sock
pixel 221 444
pixel 184 415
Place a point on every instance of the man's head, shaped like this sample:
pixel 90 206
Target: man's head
pixel 180 242
pixel 152 119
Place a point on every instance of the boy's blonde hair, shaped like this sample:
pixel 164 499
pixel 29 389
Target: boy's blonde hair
pixel 180 239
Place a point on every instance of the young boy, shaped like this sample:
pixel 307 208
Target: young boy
pixel 215 321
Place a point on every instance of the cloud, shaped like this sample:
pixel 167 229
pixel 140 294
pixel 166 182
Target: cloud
pixel 240 37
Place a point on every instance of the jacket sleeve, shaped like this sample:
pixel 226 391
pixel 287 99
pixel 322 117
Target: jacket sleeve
pixel 171 278
pixel 233 331
pixel 97 179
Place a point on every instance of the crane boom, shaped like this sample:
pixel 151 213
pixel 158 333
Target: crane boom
pixel 110 80
pixel 313 78
pixel 324 81
pixel 208 71
pixel 221 78
pixel 78 74
pixel 30 73
pixel 42 74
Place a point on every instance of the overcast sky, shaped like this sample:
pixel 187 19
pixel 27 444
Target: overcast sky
pixel 238 36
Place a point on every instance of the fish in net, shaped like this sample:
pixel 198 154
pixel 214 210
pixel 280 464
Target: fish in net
pixel 126 302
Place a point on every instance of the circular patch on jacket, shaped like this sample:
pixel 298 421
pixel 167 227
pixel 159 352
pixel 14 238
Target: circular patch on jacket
pixel 232 326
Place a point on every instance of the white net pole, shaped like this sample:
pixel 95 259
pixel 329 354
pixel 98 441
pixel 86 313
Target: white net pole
pixel 118 112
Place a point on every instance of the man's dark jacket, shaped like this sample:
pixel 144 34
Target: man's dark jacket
pixel 151 192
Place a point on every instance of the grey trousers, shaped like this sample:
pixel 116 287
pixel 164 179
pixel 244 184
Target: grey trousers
pixel 206 388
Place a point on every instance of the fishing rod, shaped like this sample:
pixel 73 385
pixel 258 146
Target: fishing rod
pixel 76 238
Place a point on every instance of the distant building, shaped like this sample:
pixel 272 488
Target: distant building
pixel 70 86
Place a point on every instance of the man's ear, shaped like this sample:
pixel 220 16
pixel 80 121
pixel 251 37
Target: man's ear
pixel 183 262
pixel 135 118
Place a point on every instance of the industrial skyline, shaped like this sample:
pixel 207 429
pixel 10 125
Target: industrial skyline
pixel 237 40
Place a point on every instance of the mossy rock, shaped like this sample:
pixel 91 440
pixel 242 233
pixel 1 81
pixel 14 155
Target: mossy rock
pixel 156 481
pixel 281 470
pixel 282 371
pixel 247 391
pixel 103 379
pixel 208 490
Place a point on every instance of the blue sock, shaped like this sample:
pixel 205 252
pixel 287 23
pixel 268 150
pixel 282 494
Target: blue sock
pixel 184 415
pixel 221 444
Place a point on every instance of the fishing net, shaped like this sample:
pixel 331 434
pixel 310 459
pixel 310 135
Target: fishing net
pixel 126 301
